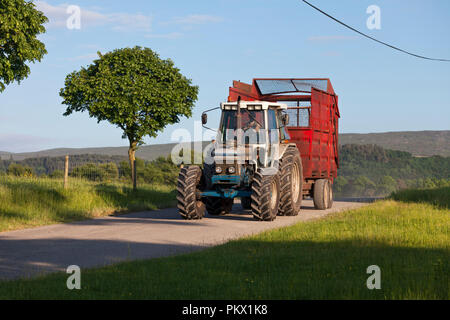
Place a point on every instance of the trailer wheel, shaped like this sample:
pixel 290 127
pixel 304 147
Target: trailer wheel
pixel 265 196
pixel 291 181
pixel 330 188
pixel 218 206
pixel 321 194
pixel 189 205
pixel 246 203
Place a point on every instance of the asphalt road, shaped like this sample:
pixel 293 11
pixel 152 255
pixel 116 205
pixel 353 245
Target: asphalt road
pixel 107 240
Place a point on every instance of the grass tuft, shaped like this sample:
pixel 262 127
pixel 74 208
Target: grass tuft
pixel 31 202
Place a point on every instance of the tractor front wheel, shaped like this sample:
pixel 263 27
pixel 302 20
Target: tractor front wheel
pixel 291 178
pixel 265 196
pixel 190 206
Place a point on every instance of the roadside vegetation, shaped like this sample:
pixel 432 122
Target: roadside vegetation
pixel 322 259
pixel 439 197
pixel 365 170
pixel 29 202
pixel 370 171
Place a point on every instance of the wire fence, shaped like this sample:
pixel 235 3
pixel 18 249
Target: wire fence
pixel 73 170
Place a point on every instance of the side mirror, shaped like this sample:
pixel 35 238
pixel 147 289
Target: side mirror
pixel 204 118
pixel 285 119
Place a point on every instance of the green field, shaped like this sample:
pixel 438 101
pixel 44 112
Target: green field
pixel 323 259
pixel 30 202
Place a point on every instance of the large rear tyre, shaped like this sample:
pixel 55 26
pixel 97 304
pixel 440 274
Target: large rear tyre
pixel 291 180
pixel 218 206
pixel 322 194
pixel 265 196
pixel 189 205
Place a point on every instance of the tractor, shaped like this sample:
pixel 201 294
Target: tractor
pixel 270 151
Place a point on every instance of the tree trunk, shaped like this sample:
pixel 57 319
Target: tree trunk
pixel 132 158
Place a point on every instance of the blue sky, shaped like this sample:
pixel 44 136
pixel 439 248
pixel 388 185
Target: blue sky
pixel 216 41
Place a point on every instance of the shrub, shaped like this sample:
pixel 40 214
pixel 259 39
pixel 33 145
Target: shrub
pixel 18 170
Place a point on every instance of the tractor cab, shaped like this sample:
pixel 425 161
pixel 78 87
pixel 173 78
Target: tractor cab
pixel 249 136
pixel 260 122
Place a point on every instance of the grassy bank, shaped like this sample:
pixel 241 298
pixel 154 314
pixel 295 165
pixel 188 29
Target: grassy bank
pixel 438 197
pixel 30 202
pixel 323 259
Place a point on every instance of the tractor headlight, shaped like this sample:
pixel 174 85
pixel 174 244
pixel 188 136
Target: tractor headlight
pixel 219 170
pixel 231 170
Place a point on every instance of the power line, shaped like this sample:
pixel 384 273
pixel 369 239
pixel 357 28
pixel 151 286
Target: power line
pixel 371 38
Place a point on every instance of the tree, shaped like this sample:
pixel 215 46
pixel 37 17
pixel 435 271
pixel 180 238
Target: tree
pixel 111 170
pixel 134 89
pixel 18 170
pixel 387 185
pixel 339 185
pixel 90 171
pixel 20 23
pixel 363 186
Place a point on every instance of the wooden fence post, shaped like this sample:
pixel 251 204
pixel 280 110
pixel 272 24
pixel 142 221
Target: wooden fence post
pixel 66 172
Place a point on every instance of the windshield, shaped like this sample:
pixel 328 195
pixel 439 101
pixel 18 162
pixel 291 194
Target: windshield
pixel 252 122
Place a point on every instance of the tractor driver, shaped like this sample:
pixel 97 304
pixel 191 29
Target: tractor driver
pixel 252 123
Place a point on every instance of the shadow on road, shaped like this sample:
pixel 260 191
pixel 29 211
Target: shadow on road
pixel 32 257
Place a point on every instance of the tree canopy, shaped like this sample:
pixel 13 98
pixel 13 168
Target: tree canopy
pixel 132 88
pixel 20 23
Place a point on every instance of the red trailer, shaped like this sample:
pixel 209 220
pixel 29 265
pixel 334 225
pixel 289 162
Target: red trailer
pixel 313 123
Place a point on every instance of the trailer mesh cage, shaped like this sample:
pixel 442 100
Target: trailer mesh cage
pixel 277 86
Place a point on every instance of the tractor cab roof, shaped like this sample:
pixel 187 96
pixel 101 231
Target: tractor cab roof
pixel 252 105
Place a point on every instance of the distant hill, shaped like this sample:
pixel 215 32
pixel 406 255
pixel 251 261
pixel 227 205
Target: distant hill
pixel 4 155
pixel 149 152
pixel 418 143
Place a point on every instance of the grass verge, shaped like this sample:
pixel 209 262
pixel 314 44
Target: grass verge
pixel 322 259
pixel 31 202
pixel 439 197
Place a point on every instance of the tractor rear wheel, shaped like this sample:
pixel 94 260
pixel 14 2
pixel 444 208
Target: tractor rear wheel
pixel 322 194
pixel 291 180
pixel 190 206
pixel 265 196
pixel 218 206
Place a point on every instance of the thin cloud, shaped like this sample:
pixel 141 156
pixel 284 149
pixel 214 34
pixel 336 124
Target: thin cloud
pixel 172 35
pixel 331 38
pixel 58 16
pixel 21 142
pixel 332 54
pixel 90 56
pixel 195 19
